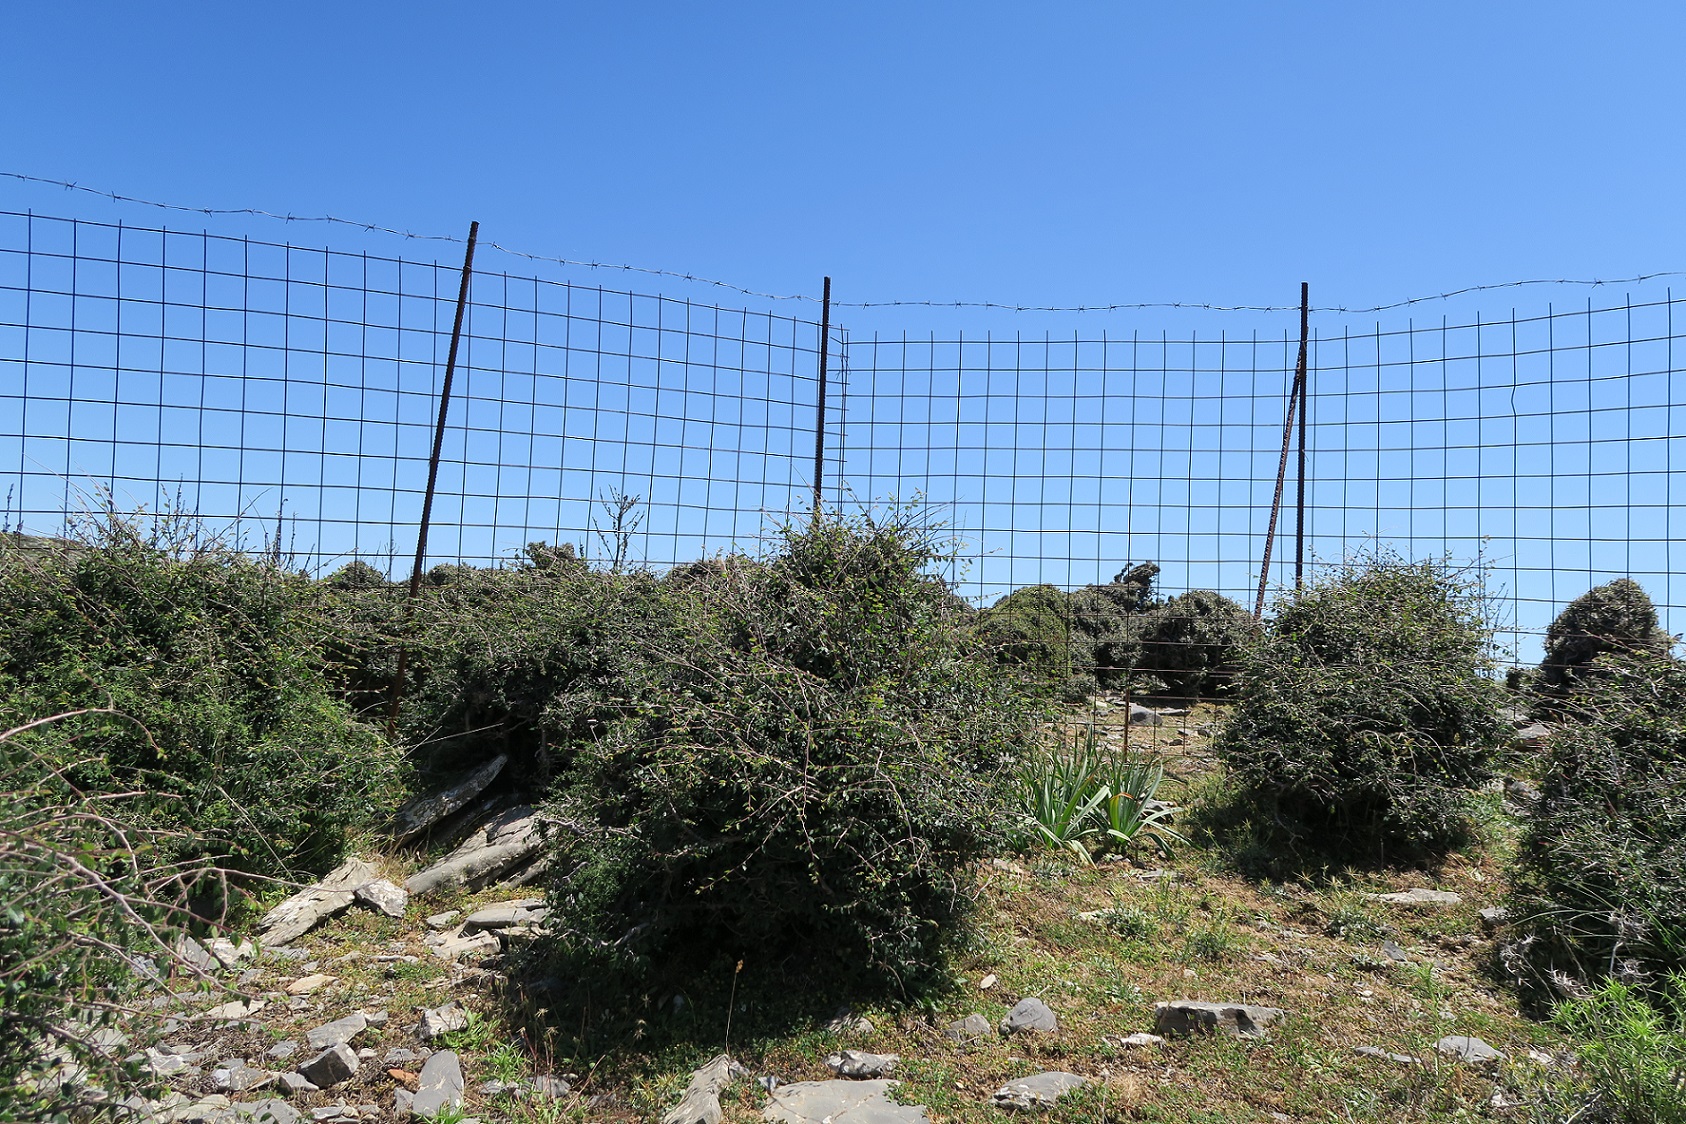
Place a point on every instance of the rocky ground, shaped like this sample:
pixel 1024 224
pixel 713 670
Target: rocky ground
pixel 1153 990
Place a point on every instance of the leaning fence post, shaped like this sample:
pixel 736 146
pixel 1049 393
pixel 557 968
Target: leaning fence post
pixel 397 692
pixel 1295 393
pixel 819 416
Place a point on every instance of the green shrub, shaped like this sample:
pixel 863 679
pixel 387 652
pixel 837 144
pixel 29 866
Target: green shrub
pixel 1366 713
pixel 243 752
pixel 1070 643
pixel 1192 643
pixel 1030 629
pixel 805 775
pixel 1599 887
pixel 1632 1052
pixel 1616 617
pixel 529 660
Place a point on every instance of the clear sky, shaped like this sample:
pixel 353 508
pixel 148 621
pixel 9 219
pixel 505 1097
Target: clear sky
pixel 1034 154
pixel 1038 153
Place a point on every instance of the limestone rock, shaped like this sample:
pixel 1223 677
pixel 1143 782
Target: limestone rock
pixel 420 813
pixel 1141 1039
pixel 835 1102
pixel 701 1102
pixel 1418 896
pixel 240 1078
pixel 1030 1015
pixel 304 985
pixel 1463 1048
pixel 1040 1091
pixel 505 915
pixel 335 1064
pixel 438 1021
pixel 336 1032
pixel 383 896
pixel 439 1085
pixel 500 844
pixel 859 1063
pixel 1241 1020
pixel 308 908
pixel 972 1026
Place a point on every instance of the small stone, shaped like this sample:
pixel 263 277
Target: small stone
pixel 1394 952
pixel 227 953
pixel 547 1086
pixel 1494 916
pixel 459 947
pixel 401 1055
pixel 811 1102
pixel 335 1064
pixel 987 982
pixel 194 954
pixel 294 1083
pixel 336 1032
pixel 383 896
pixel 240 1079
pixel 1141 1039
pixel 375 1019
pixel 1030 1015
pixel 1040 1091
pixel 269 1111
pixel 304 985
pixel 235 1010
pixel 437 1021
pixel 860 1064
pixel 972 1026
pixel 443 920
pixel 1378 1052
pixel 847 1022
pixel 1241 1020
pixel 1463 1048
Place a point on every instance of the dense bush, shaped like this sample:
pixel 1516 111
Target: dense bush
pixel 1190 645
pixel 243 752
pixel 810 764
pixel 1366 713
pixel 1613 618
pixel 527 659
pixel 1600 882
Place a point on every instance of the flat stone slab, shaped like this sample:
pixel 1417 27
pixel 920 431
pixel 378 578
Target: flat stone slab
pixel 1030 1015
pixel 1418 896
pixel 1041 1091
pixel 1463 1048
pixel 1240 1020
pixel 338 1031
pixel 308 908
pixel 504 842
pixel 972 1026
pixel 839 1102
pixel 506 915
pixel 422 812
pixel 437 1021
pixel 335 1064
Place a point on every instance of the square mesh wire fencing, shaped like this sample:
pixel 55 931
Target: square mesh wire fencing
pixel 287 397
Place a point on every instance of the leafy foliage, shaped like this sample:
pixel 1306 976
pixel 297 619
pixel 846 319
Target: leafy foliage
pixel 240 749
pixel 1071 796
pixel 1632 1052
pixel 1366 713
pixel 801 779
pixel 1190 644
pixel 1600 881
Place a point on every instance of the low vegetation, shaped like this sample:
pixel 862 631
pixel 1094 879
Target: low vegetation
pixel 816 777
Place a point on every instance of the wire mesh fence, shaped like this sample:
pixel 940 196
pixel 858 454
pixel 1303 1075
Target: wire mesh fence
pixel 289 393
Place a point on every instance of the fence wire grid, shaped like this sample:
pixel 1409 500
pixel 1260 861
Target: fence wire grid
pixel 288 395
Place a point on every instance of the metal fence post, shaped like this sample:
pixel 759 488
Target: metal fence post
pixel 819 416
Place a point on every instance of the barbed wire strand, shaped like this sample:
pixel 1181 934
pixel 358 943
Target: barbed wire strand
pixel 691 278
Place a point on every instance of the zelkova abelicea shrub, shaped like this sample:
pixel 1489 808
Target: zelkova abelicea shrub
pixel 240 751
pixel 1366 713
pixel 1612 619
pixel 811 763
pixel 1599 888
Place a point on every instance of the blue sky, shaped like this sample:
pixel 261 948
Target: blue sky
pixel 1039 153
pixel 1074 154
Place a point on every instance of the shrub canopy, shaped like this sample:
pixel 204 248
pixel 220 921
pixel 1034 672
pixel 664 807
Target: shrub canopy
pixel 1366 713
